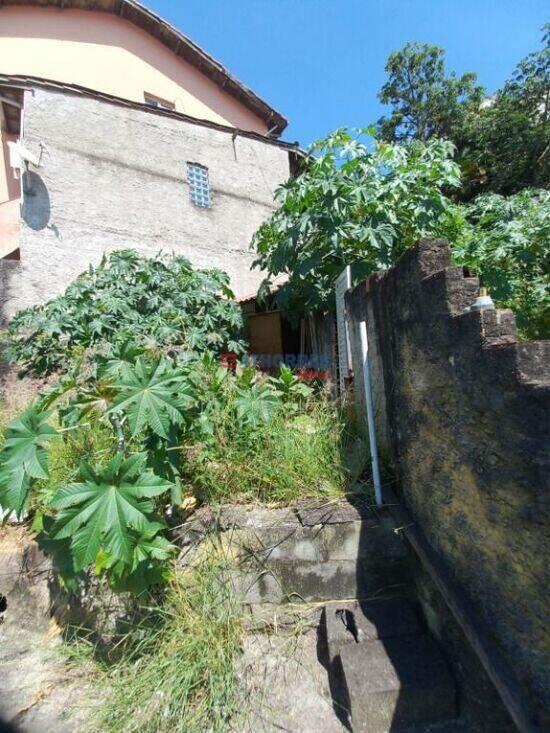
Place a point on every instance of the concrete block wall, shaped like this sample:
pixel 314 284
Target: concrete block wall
pixel 114 177
pixel 466 410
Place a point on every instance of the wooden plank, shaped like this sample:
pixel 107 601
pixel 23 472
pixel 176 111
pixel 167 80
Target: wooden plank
pixel 265 333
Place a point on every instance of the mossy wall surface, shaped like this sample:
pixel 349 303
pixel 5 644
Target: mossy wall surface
pixel 467 410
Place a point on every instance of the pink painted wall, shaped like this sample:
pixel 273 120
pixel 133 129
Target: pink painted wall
pixel 13 187
pixel 110 54
pixel 9 227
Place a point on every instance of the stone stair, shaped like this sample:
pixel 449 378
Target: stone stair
pixel 316 552
pixel 387 673
pixel 347 566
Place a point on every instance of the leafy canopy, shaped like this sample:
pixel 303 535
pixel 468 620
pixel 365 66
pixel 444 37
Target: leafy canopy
pixel 128 298
pixel 355 204
pixel 503 142
pixel 363 205
pixel 505 146
pixel 426 102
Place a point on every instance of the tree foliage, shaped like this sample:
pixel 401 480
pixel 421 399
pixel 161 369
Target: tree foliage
pixel 129 299
pixel 505 146
pixel 503 142
pixel 354 204
pixel 505 239
pixel 363 206
pixel 426 101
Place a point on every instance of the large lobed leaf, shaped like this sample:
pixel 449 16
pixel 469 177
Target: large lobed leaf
pixel 23 456
pixel 153 395
pixel 108 510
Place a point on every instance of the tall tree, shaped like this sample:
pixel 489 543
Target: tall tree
pixel 529 86
pixel 503 142
pixel 426 101
pixel 505 146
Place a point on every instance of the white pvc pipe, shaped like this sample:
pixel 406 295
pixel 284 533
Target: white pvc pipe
pixel 370 413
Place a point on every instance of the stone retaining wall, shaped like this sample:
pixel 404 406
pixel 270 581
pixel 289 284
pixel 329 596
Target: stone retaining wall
pixel 463 411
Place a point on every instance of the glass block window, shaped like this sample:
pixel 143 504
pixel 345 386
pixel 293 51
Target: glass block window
pixel 199 185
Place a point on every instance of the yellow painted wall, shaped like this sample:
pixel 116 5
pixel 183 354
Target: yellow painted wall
pixel 109 54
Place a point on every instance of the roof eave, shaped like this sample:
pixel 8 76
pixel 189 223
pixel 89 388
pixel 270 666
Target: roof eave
pixel 20 81
pixel 179 44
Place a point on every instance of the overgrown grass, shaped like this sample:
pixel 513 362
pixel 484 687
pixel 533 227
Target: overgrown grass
pixel 179 677
pixel 292 456
pixel 5 417
pixel 94 443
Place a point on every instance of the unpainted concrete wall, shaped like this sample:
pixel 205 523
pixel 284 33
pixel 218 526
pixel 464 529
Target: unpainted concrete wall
pixel 468 409
pixel 113 177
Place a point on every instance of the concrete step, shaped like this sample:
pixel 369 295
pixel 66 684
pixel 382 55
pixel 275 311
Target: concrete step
pixel 397 684
pixel 330 551
pixel 360 621
pixel 386 672
pixel 281 581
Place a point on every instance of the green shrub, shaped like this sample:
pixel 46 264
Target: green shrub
pixel 132 429
pixel 354 204
pixel 506 240
pixel 158 302
pixel 364 205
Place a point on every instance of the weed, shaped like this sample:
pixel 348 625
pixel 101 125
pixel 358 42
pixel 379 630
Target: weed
pixel 94 444
pixel 176 674
pixel 286 458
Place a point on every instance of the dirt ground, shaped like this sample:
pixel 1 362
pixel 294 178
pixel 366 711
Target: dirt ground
pixel 39 692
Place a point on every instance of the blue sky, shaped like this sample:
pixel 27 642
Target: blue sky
pixel 321 62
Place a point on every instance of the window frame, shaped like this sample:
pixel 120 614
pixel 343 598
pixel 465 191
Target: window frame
pixel 155 102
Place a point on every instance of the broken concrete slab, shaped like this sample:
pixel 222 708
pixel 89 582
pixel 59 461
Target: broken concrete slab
pixel 283 580
pixel 253 517
pixel 346 541
pixel 268 617
pixel 281 559
pixel 313 511
pixel 257 587
pixel 361 540
pixel 38 692
pixel 282 542
pixel 284 686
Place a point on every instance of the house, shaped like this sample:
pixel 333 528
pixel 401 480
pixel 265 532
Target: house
pixel 124 133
